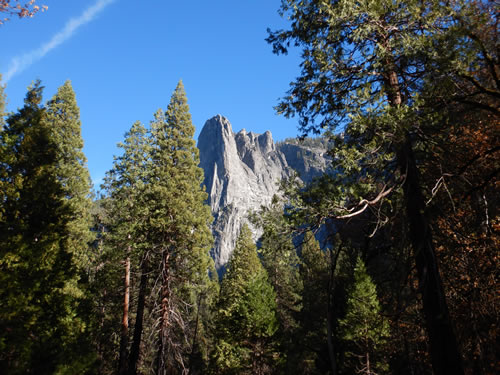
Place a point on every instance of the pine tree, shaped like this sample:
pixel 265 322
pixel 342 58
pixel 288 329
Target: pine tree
pixel 63 117
pixel 279 258
pixel 246 322
pixel 105 291
pixel 160 227
pixel 42 331
pixel 363 324
pixel 369 71
pixel 179 232
pixel 127 211
pixel 323 272
pixel 314 271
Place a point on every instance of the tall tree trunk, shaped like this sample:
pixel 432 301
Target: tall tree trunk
pixel 445 356
pixel 124 336
pixel 164 318
pixel 329 338
pixel 139 320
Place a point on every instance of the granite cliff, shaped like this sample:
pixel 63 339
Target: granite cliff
pixel 242 172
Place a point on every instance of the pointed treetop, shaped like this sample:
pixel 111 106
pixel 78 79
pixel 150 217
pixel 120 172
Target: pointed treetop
pixel 64 115
pixel 34 94
pixel 244 260
pixel 179 94
pixel 65 93
pixel 66 88
pixel 178 102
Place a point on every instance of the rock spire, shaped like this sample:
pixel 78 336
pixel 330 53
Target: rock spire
pixel 242 172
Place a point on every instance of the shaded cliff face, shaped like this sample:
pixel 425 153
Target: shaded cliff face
pixel 242 172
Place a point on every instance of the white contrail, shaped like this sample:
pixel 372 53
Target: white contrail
pixel 19 63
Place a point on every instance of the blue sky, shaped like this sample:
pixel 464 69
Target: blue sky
pixel 125 57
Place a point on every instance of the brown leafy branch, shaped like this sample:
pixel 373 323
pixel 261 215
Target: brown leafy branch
pixel 14 7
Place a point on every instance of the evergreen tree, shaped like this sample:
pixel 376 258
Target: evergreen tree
pixel 63 117
pixel 105 292
pixel 281 262
pixel 323 272
pixel 41 329
pixel 369 70
pixel 160 226
pixel 127 212
pixel 363 325
pixel 179 232
pixel 246 321
pixel 314 271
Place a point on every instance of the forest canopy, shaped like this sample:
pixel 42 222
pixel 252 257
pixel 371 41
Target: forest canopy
pixel 386 264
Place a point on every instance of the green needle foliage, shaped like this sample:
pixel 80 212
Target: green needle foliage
pixel 125 221
pixel 179 233
pixel 315 274
pixel 42 218
pixel 158 221
pixel 63 117
pixel 126 185
pixel 363 325
pixel 246 321
pixel 279 258
pixel 384 73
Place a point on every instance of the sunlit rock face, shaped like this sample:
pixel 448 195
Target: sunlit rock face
pixel 242 172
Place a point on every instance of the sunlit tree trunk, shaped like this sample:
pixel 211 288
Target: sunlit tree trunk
pixel 124 336
pixel 164 317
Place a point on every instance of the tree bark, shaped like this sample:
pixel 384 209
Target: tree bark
pixel 124 336
pixel 444 352
pixel 164 318
pixel 445 355
pixel 139 320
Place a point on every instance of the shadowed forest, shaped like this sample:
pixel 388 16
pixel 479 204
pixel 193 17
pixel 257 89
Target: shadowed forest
pixel 387 264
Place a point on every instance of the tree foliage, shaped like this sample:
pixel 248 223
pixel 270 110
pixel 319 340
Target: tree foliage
pixel 363 325
pixel 124 239
pixel 315 274
pixel 246 316
pixel 159 222
pixel 370 69
pixel 42 215
pixel 465 202
pixel 279 258
pixel 179 231
pixel 63 117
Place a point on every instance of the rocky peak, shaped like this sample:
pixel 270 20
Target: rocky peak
pixel 242 172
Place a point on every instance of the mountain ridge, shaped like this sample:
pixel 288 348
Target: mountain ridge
pixel 242 173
